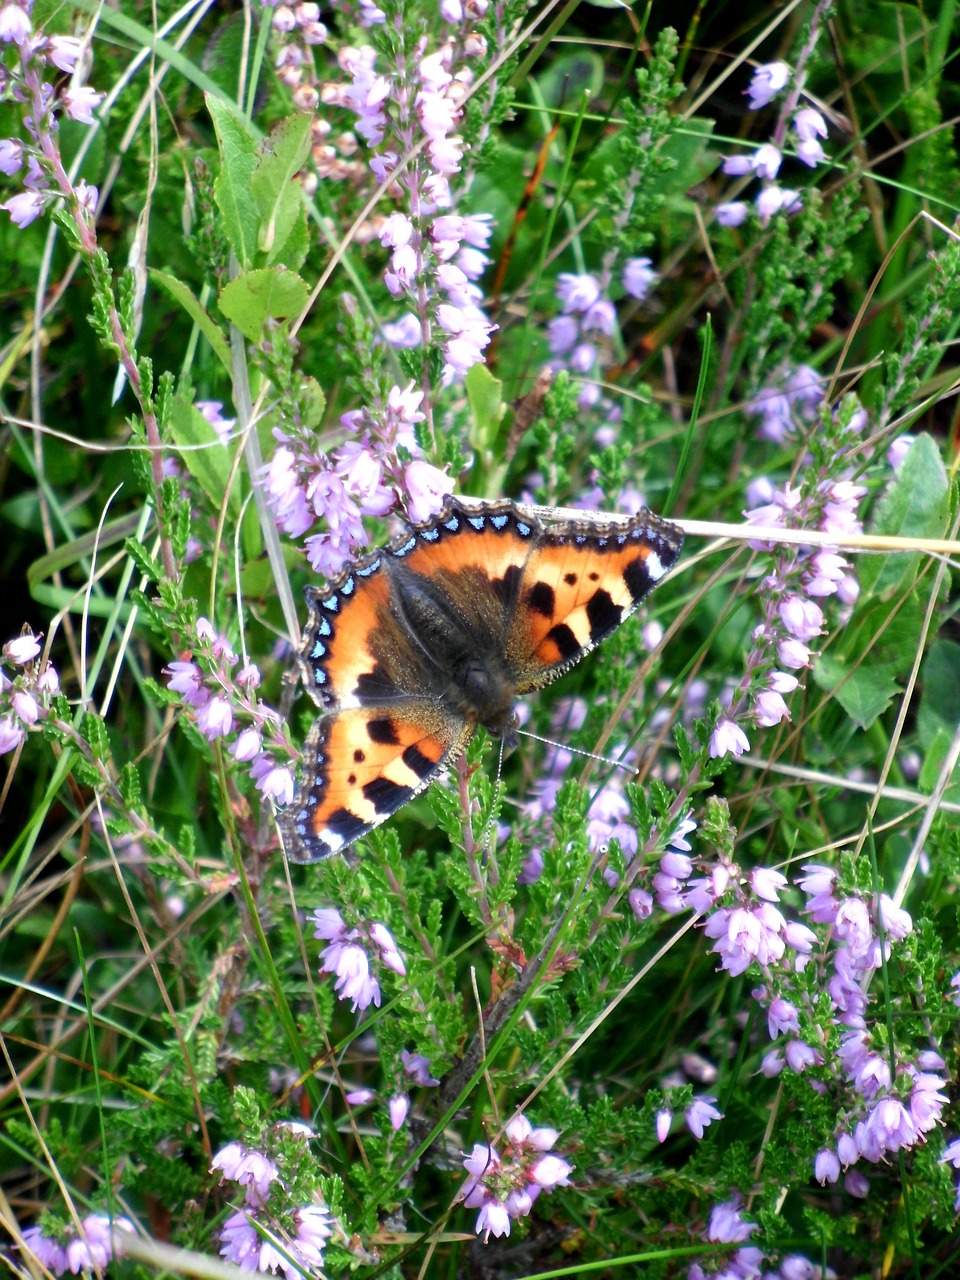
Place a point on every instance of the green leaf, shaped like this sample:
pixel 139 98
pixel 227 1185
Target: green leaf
pixel 94 731
pixel 232 189
pixel 916 505
pixel 130 786
pixel 864 691
pixel 207 459
pixel 277 196
pixel 198 314
pixel 940 700
pixel 269 293
pixel 149 567
pixel 485 393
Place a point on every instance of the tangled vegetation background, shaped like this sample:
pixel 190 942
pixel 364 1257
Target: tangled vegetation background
pixel 279 277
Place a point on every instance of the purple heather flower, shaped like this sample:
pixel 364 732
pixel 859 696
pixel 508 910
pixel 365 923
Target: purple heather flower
pixel 251 1169
pixel 767 884
pixel 809 124
pixel 826 1167
pixel 767 160
pixel 405 332
pixel 728 739
pixel 638 277
pixel 602 317
pixel 381 936
pixel 11 155
pixel 22 650
pixel 493 1219
pixel 215 718
pixel 766 83
pixel 772 1064
pixel 663 1119
pixel 927 1101
pixel 23 208
pixel 96 1244
pixel 79 103
pixel 212 410
pixel 505 1188
pixel 727 1225
pixel 801 617
pixel 26 706
pixel 781 1017
pixel 732 213
pixel 577 292
pixel 426 488
pixel 701 1113
pixel 240 1241
pixel 737 166
pixel 551 1172
pixel 354 980
pixel 897 923
pixel 360 1097
pixel 417 1066
pixel 272 780
pixel 799 1056
pixel 641 903
pixel 49 1253
pixel 897 453
pixel 770 709
pixel 14 24
pixel 186 679
pixel 810 152
pixel 398 1107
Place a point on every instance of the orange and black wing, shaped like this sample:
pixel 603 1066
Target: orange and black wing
pixel 360 766
pixel 581 580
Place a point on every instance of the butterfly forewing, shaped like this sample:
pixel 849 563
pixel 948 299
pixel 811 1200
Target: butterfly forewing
pixel 581 581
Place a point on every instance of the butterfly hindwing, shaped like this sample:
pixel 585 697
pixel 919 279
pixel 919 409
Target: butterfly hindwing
pixel 364 764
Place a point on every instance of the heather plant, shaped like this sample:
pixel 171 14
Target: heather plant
pixel 672 986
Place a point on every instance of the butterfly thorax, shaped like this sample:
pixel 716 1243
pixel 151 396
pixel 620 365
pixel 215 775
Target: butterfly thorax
pixel 470 675
pixel 483 694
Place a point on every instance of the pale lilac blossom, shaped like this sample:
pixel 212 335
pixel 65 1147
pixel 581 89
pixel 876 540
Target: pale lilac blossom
pixel 767 81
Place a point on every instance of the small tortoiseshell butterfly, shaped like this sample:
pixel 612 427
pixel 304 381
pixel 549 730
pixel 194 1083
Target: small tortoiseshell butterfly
pixel 412 647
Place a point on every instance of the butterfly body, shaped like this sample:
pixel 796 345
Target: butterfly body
pixel 414 646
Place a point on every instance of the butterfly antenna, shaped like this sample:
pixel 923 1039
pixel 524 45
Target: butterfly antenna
pixel 563 746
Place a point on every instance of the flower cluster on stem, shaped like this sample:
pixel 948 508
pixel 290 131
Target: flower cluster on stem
pixel 505 1186
pixel 348 954
pixel 587 317
pixel 37 156
pixel 822 497
pixel 26 693
pixel 224 705
pixel 796 119
pixel 86 1250
pixel 266 1233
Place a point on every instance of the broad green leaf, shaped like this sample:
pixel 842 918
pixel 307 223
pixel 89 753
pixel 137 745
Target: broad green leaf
pixel 485 393
pixel 864 691
pixel 277 196
pixel 915 505
pixel 940 692
pixel 210 463
pixel 270 293
pixel 198 314
pixel 932 767
pixel 238 161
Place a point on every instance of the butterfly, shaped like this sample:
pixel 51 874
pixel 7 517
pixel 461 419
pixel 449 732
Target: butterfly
pixel 414 646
